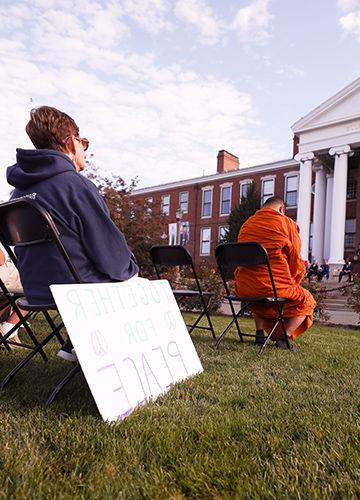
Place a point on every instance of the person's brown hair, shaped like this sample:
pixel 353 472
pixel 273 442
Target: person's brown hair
pixel 48 128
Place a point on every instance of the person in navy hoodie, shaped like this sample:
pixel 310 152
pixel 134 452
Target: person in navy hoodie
pixel 50 174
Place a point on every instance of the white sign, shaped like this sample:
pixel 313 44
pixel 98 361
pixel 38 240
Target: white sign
pixel 130 339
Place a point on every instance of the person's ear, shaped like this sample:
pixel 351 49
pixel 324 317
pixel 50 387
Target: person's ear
pixel 70 146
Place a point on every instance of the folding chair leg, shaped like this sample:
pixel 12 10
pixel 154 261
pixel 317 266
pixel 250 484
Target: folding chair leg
pixel 32 336
pixel 74 370
pixel 280 319
pixel 27 358
pixel 209 320
pixel 4 343
pixel 53 326
pixel 201 315
pixel 205 308
pixel 235 318
pixel 210 327
pixel 267 340
pixel 217 343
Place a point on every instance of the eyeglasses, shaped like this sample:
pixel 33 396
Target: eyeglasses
pixel 84 142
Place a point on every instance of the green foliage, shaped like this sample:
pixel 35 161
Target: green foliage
pixel 282 425
pixel 352 292
pixel 210 281
pixel 239 214
pixel 141 222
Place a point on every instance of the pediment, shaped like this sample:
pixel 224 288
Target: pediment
pixel 343 106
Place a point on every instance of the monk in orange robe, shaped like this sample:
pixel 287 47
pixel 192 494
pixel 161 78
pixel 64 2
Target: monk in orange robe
pixel 279 234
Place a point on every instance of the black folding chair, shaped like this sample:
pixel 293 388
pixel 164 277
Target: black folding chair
pixel 229 256
pixel 165 256
pixel 23 222
pixel 8 298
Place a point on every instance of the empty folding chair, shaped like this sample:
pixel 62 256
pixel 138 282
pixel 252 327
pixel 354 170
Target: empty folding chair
pixel 229 256
pixel 165 256
pixel 24 222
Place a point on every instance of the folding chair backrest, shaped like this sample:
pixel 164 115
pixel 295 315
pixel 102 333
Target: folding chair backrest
pixel 170 256
pixel 25 222
pixel 229 256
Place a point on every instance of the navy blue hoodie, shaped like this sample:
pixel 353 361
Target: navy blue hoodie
pixel 95 245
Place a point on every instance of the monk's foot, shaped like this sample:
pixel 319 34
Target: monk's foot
pixel 260 337
pixel 282 344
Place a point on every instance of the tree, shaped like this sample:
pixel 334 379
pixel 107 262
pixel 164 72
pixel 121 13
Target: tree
pixel 141 221
pixel 239 214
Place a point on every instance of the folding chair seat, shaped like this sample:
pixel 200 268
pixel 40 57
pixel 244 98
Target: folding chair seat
pixel 230 256
pixel 24 222
pixel 165 257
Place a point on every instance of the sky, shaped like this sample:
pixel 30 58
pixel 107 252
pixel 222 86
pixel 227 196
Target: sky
pixel 160 86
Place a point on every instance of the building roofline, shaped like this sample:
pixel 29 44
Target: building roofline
pixel 302 124
pixel 215 177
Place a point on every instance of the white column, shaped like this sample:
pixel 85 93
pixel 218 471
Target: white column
pixel 338 211
pixel 304 200
pixel 319 214
pixel 328 209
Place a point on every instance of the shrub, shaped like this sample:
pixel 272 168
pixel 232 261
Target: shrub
pixel 210 281
pixel 248 206
pixel 352 292
pixel 320 294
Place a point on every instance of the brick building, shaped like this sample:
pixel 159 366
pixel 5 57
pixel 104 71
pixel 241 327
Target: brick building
pixel 319 186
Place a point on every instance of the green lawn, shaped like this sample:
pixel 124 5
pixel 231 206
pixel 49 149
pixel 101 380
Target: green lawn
pixel 283 425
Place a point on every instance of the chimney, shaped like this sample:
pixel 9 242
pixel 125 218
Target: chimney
pixel 295 145
pixel 226 162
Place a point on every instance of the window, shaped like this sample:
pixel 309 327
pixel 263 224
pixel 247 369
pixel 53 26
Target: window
pixel 291 189
pixel 267 189
pixel 223 231
pixel 244 188
pixel 225 200
pixel 165 204
pixel 205 236
pixel 184 202
pixel 149 202
pixel 350 227
pixel 207 202
pixel 351 189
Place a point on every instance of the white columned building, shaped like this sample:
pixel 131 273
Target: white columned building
pixel 338 212
pixel 328 210
pixel 319 213
pixel 326 138
pixel 304 201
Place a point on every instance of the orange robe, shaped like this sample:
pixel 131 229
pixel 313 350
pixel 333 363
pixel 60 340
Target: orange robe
pixel 280 236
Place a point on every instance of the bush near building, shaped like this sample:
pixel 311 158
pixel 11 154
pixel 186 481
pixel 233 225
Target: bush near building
pixel 352 292
pixel 249 204
pixel 141 221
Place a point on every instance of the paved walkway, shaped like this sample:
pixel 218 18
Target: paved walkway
pixel 336 307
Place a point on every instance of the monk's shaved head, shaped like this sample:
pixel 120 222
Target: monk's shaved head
pixel 275 202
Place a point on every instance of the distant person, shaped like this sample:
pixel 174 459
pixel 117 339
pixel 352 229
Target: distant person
pixel 10 277
pixel 313 270
pixel 50 174
pixel 323 271
pixel 358 250
pixel 279 234
pixel 346 270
